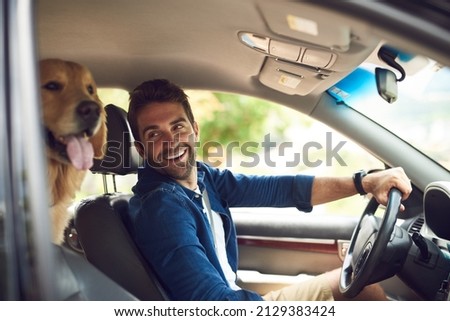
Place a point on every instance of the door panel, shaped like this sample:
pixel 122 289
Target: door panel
pixel 276 249
pixel 279 249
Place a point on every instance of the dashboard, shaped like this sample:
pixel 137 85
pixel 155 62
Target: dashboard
pixel 437 209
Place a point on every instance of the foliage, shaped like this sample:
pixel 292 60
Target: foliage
pixel 227 118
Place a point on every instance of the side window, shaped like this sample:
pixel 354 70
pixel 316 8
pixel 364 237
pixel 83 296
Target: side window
pixel 252 136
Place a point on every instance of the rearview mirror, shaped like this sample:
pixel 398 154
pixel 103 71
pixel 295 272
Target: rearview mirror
pixel 386 84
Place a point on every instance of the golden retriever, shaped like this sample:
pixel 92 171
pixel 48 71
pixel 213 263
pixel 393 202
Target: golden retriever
pixel 75 125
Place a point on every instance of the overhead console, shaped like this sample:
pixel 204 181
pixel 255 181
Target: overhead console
pixel 290 68
pixel 303 50
pixel 288 51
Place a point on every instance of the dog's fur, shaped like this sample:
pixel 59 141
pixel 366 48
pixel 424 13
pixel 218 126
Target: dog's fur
pixel 75 125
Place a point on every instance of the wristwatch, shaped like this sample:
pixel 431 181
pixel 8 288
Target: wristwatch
pixel 357 180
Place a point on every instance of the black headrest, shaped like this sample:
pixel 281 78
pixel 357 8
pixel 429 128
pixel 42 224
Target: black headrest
pixel 121 157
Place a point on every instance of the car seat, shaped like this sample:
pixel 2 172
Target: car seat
pixel 101 221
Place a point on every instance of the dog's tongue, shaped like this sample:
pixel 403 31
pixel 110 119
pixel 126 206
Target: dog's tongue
pixel 80 152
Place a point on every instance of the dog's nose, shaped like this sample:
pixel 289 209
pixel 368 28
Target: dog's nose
pixel 88 112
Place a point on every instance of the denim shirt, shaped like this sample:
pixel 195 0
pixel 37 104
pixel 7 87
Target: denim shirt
pixel 171 230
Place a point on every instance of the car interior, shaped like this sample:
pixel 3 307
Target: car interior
pixel 293 53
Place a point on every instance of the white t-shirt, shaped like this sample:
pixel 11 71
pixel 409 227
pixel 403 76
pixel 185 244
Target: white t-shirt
pixel 216 224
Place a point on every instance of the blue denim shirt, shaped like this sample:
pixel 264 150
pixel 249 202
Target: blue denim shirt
pixel 172 231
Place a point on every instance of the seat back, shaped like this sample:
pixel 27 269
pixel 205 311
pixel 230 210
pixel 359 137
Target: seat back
pixel 78 280
pixel 101 221
pixel 121 158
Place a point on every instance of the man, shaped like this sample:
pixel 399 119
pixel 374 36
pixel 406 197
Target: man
pixel 180 211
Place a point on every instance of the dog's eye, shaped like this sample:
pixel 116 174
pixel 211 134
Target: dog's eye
pixel 90 89
pixel 52 85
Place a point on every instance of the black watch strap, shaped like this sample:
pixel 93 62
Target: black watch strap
pixel 357 180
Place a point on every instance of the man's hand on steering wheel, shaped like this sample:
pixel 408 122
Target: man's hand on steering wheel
pixel 380 183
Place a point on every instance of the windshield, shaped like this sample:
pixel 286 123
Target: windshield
pixel 421 113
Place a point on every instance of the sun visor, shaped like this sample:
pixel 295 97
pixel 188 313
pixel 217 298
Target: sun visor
pixel 301 22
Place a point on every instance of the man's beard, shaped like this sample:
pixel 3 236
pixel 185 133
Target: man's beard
pixel 177 170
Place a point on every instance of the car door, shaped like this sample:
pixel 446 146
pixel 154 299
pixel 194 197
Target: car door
pixel 26 259
pixel 277 249
pixel 6 286
pixel 280 246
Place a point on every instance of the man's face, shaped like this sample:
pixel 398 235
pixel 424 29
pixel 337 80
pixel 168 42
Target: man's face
pixel 168 139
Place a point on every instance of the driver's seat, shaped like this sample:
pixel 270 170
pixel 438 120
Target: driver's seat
pixel 101 221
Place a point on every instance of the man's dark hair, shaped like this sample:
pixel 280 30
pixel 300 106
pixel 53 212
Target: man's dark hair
pixel 159 91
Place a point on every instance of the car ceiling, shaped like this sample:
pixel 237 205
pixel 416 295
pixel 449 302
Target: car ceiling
pixel 195 43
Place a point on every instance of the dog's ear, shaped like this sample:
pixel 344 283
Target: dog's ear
pixel 98 141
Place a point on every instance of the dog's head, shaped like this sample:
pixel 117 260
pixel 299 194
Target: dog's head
pixel 73 115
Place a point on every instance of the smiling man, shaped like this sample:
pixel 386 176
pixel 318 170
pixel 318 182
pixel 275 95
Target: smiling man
pixel 180 213
pixel 168 138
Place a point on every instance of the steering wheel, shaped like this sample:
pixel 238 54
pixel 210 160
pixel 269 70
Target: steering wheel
pixel 369 241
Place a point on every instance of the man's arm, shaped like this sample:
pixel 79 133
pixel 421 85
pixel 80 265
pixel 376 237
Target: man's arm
pixel 327 189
